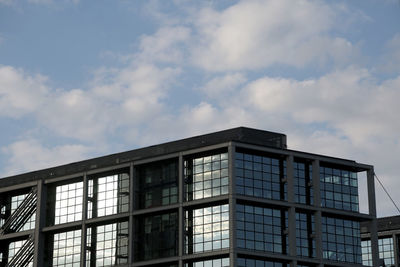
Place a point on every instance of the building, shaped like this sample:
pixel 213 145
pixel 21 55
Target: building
pixel 237 197
pixel 388 242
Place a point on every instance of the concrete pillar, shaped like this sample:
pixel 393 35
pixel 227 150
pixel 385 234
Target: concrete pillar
pixel 372 212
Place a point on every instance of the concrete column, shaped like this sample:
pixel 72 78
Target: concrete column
pixel 84 217
pixel 292 211
pixel 40 222
pixel 372 212
pixel 316 183
pixel 131 225
pixel 396 250
pixel 232 205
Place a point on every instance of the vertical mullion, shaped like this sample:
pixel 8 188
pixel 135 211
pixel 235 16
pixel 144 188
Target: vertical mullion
pixel 180 213
pixel 291 212
pixel 39 237
pixel 131 225
pixel 84 217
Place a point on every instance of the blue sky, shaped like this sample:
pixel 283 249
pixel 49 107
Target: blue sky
pixel 81 79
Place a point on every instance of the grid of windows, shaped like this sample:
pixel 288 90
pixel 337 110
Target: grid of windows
pixel 261 228
pixel 206 176
pixel 66 249
pixel 242 262
pixel 13 249
pixel 386 251
pixel 305 244
pixel 302 178
pixel 158 184
pixel 68 206
pixel 260 176
pixel 366 252
pixel 108 195
pixel 107 245
pixel 223 262
pixel 156 236
pixel 341 240
pixel 207 228
pixel 339 189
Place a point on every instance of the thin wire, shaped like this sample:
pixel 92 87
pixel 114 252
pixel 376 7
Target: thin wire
pixel 387 193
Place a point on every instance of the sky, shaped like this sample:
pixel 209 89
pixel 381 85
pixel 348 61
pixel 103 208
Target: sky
pixel 82 79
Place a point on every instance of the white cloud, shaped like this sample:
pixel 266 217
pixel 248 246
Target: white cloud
pixel 20 93
pixel 260 33
pixel 30 155
pixel 166 45
pixel 222 85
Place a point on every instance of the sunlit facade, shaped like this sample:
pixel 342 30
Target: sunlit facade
pixel 233 198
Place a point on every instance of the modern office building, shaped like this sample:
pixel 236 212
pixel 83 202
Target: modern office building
pixel 388 242
pixel 237 197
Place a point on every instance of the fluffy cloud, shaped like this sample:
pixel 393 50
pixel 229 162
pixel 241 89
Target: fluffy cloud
pixel 255 34
pixel 20 93
pixel 391 57
pixel 30 154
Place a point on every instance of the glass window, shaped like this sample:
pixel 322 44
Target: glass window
pixel 221 262
pixel 260 176
pixel 158 184
pixel 261 228
pixel 302 179
pixel 108 195
pixel 107 245
pixel 68 203
pixel 207 229
pixel 339 189
pixel 305 244
pixel 206 176
pixel 386 251
pixel 156 236
pixel 13 249
pixel 243 262
pixel 67 248
pixel 341 240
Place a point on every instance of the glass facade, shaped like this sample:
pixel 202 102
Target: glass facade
pixel 206 176
pixel 107 245
pixel 339 189
pixel 305 244
pixel 386 251
pixel 341 240
pixel 67 249
pixel 302 183
pixel 108 195
pixel 13 249
pixel 68 203
pixel 156 236
pixel 220 262
pixel 260 176
pixel 207 229
pixel 243 262
pixel 261 228
pixel 157 184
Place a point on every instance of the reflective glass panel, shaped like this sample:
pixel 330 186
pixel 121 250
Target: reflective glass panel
pixel 261 228
pixel 67 249
pixel 339 189
pixel 158 183
pixel 107 245
pixel 207 229
pixel 243 262
pixel 68 206
pixel 341 240
pixel 260 176
pixel 108 195
pixel 206 176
